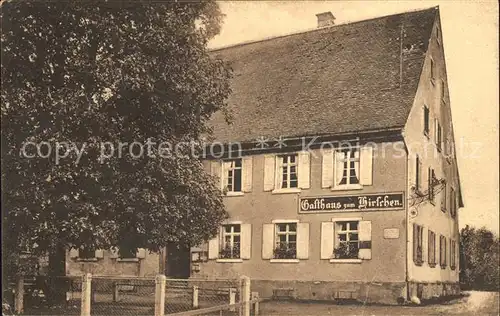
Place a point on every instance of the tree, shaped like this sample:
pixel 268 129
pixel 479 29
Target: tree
pixel 479 258
pixel 78 76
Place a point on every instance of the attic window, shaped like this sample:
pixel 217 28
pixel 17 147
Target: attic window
pixel 433 71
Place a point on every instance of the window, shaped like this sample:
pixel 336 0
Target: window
pixel 433 71
pixel 438 35
pixel 443 90
pixel 418 171
pixel 285 241
pixel 347 240
pixel 443 197
pixel 442 251
pixel 231 241
pixel 453 203
pixel 431 241
pixel 453 250
pixel 287 166
pixel 431 181
pixel 232 175
pixel 426 120
pixel 438 135
pixel 418 235
pixel 347 168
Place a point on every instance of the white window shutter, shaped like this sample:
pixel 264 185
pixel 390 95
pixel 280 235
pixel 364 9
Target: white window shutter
pixel 304 170
pixel 99 254
pixel 365 240
pixel 113 253
pixel 302 240
pixel 213 248
pixel 267 241
pixel 366 165
pixel 269 162
pixel 339 167
pixel 74 253
pixel 327 169
pixel 327 240
pixel 246 241
pixel 215 171
pixel 246 164
pixel 141 253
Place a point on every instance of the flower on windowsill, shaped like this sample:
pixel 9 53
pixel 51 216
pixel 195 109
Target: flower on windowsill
pixel 284 251
pixel 229 252
pixel 345 251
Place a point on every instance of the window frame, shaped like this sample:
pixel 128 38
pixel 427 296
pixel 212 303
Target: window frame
pixel 354 156
pixel 430 186
pixel 287 233
pixel 432 71
pixel 232 168
pixel 443 91
pixel 231 234
pixel 337 231
pixel 453 202
pixel 427 120
pixel 289 165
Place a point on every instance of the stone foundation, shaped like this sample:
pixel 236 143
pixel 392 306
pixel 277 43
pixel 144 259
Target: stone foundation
pixel 383 293
pixel 432 291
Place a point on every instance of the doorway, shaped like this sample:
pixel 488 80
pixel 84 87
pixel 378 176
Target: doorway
pixel 178 261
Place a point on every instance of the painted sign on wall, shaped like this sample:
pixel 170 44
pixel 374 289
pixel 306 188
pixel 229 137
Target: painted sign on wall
pixel 365 202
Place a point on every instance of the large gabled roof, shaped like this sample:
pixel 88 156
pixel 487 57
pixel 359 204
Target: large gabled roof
pixel 347 78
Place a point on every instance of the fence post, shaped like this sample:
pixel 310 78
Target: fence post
pixel 245 295
pixel 86 294
pixel 232 299
pixel 19 298
pixel 195 296
pixel 115 292
pixel 255 299
pixel 160 282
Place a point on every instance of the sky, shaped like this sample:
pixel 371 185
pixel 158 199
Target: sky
pixel 470 41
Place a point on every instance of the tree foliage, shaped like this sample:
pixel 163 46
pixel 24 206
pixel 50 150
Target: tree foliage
pixel 479 259
pixel 89 72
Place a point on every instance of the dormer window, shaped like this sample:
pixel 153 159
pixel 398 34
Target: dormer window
pixel 438 35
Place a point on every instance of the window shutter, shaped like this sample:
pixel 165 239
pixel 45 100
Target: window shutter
pixel 74 253
pixel 267 241
pixel 339 167
pixel 327 169
pixel 365 240
pixel 213 248
pixel 141 253
pixel 215 171
pixel 443 197
pixel 366 165
pixel 304 170
pixel 113 253
pixel 99 254
pixel 415 239
pixel 269 162
pixel 302 240
pixel 327 240
pixel 246 241
pixel 246 164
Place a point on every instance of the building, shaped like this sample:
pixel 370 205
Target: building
pixel 347 185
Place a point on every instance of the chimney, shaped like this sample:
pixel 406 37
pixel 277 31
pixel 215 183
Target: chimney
pixel 325 19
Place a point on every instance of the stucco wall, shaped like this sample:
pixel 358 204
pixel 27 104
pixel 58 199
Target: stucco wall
pixel 108 266
pixel 259 207
pixel 427 215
